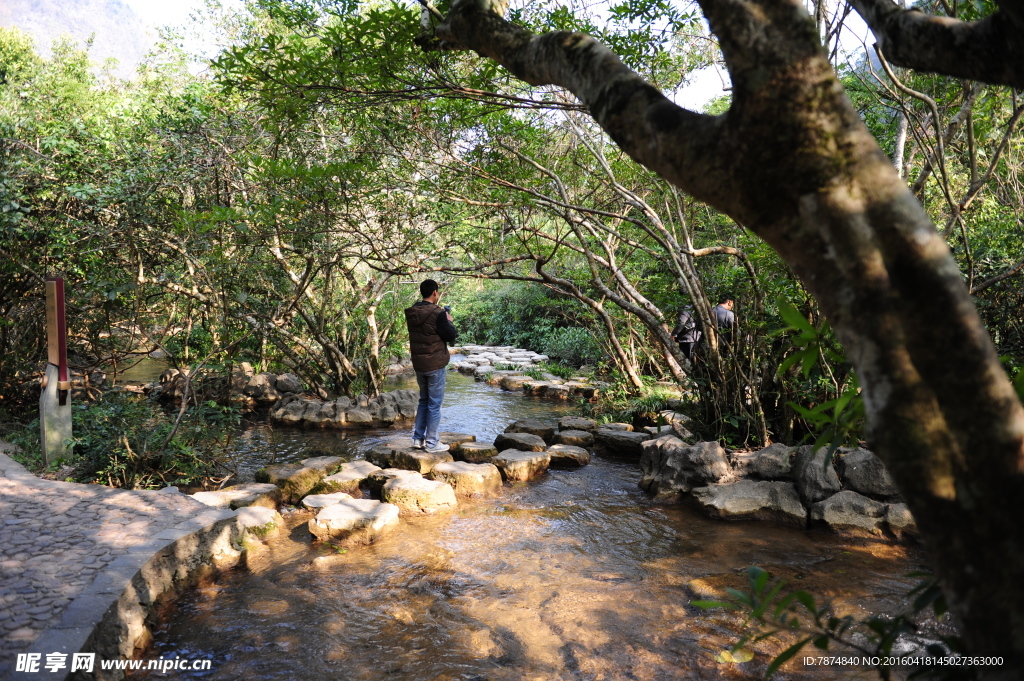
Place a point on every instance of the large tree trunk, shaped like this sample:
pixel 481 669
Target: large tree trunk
pixel 792 161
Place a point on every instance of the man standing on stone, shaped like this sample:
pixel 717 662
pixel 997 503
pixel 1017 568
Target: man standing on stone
pixel 430 331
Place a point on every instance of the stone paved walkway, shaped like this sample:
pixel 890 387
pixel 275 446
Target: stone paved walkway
pixel 68 550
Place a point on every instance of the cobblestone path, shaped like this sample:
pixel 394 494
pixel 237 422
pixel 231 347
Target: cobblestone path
pixel 67 550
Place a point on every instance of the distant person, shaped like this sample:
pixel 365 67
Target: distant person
pixel 430 331
pixel 725 318
pixel 686 332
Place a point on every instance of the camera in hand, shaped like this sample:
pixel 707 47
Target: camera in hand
pixel 448 309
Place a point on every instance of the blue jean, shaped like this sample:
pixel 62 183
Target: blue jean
pixel 428 412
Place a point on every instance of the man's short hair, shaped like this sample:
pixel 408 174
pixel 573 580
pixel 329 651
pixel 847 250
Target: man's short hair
pixel 427 288
pixel 725 298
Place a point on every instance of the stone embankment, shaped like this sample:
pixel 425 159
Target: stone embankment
pixel 507 367
pixel 852 493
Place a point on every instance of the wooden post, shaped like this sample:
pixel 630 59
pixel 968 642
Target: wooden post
pixel 55 399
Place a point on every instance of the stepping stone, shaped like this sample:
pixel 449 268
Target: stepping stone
pixel 354 521
pixel 567 456
pixel 376 481
pixel 348 479
pixel 453 440
pixel 620 441
pixel 468 479
pixel 259 521
pixel 475 452
pixel 577 423
pixel 517 466
pixel 541 429
pixel 536 388
pixel 318 501
pixel 522 441
pixel 559 392
pixel 616 426
pixel 295 480
pixel 239 496
pixel 514 382
pixel 327 464
pixel 419 496
pixel 574 438
pixel 388 455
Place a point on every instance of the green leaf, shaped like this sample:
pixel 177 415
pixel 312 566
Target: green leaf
pixel 793 317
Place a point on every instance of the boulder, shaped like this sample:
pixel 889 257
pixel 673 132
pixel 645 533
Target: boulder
pixel 815 477
pixel 577 423
pixel 670 468
pixel 774 462
pixel 468 479
pixel 622 442
pixel 518 466
pixel 852 514
pixel 524 442
pixel 239 496
pixel 474 452
pixel 658 431
pixel 288 383
pixel 542 429
pixel 419 496
pixel 349 478
pixel 327 464
pixel 901 523
pixel 318 501
pixel 290 412
pixel 295 480
pixel 259 521
pixel 375 481
pixel 568 456
pixel 575 438
pixel 262 388
pixel 354 521
pixel 752 500
pixel 359 416
pixel 863 472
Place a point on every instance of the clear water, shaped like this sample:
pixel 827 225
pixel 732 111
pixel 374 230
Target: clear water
pixel 575 576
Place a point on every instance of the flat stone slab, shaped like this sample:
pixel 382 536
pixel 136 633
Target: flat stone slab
pixel 577 423
pixel 295 480
pixel 453 440
pixel 327 464
pixel 542 429
pixel 468 479
pixel 524 442
pixel 388 455
pixel 514 382
pixel 318 501
pixel 260 521
pixel 567 456
pixel 376 481
pixel 575 438
pixel 519 466
pixel 349 478
pixel 559 392
pixel 238 496
pixel 752 500
pixel 474 452
pixel 620 441
pixel 419 496
pixel 354 521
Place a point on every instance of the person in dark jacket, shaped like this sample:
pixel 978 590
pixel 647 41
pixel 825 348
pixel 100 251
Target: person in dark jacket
pixel 686 332
pixel 430 331
pixel 725 318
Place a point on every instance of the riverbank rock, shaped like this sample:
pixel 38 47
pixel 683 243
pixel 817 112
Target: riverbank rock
pixel 863 472
pixel 575 438
pixel 240 496
pixel 670 468
pixel 628 427
pixel 518 466
pixel 475 452
pixel 348 478
pixel 524 442
pixel 541 429
pixel 577 423
pixel 415 495
pixel 354 521
pixel 620 441
pixel 379 412
pixel 774 462
pixel 816 477
pixel 294 480
pixel 752 500
pixel 568 456
pixel 318 501
pixel 259 521
pixel 468 479
pixel 850 513
pixel 900 523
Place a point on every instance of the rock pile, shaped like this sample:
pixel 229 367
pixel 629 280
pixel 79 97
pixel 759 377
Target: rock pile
pixel 506 367
pixel 378 412
pixel 852 494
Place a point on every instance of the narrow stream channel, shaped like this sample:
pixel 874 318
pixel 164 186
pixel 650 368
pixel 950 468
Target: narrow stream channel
pixel 576 576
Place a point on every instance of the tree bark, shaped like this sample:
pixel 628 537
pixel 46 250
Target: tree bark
pixel 792 161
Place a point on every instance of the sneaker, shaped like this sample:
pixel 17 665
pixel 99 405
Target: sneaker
pixel 437 449
pixel 417 444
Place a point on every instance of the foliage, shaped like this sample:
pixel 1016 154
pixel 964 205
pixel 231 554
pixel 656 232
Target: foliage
pixel 772 610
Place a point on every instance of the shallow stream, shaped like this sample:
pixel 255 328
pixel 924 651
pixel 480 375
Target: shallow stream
pixel 575 576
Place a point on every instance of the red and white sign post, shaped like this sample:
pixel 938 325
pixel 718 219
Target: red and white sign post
pixel 55 400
